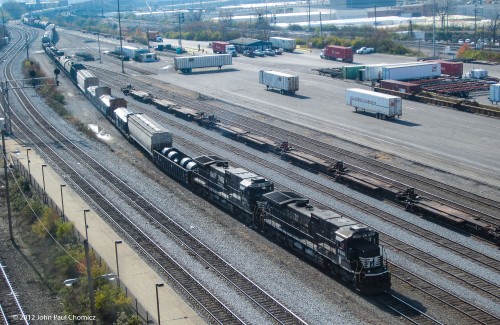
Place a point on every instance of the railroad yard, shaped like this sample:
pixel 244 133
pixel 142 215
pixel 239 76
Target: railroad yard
pixel 442 272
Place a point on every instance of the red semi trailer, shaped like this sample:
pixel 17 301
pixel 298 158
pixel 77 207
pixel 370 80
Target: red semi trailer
pixel 334 52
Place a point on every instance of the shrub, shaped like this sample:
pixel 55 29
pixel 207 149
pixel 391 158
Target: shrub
pixel 46 223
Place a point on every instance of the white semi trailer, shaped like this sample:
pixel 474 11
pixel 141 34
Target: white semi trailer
pixel 186 63
pixel 382 105
pixel 287 44
pixel 286 83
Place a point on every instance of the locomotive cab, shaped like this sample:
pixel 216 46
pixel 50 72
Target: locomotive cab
pixel 359 251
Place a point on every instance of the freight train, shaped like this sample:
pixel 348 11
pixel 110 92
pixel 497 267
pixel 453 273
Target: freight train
pixel 50 34
pixel 406 197
pixel 336 244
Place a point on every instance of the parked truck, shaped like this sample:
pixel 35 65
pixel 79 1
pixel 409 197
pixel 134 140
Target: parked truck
pixel 154 36
pixel 224 48
pixel 382 105
pixel 186 63
pixel 287 44
pixel 335 52
pixel 286 83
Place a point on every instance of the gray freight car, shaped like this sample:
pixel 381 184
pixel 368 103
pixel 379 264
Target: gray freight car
pixel 186 63
pixel 148 134
pixel 286 83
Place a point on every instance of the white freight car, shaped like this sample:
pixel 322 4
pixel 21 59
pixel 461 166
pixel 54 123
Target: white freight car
pixel 412 71
pixel 286 83
pixel 287 44
pixel 148 134
pixel 86 79
pixel 384 106
pixel 187 63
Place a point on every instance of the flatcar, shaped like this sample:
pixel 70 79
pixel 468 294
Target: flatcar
pixel 139 95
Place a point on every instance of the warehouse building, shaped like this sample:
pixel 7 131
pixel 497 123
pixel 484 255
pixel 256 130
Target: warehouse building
pixel 250 44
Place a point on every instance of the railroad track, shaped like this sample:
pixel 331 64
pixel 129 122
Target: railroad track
pixel 480 285
pixel 11 311
pixel 447 298
pixel 212 307
pixel 405 310
pixel 490 207
pixel 401 177
pixel 105 58
pixel 449 194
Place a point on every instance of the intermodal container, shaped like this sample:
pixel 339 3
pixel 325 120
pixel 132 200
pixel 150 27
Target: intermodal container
pixel 494 93
pixel 86 79
pixel 287 44
pixel 286 83
pixel 352 71
pixel 401 86
pixel 186 63
pixel 95 92
pixel 412 71
pixel 454 69
pixel 148 134
pixel 383 105
pixel 219 47
pixel 373 72
pixel 334 52
pixel 109 103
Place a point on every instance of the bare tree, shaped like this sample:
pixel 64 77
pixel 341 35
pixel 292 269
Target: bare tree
pixel 443 10
pixel 494 25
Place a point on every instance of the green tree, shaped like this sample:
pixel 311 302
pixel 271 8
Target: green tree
pixel 14 9
pixel 110 302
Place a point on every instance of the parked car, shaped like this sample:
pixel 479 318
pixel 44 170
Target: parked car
pixel 250 54
pixel 278 51
pixel 365 50
pixel 259 53
pixel 269 52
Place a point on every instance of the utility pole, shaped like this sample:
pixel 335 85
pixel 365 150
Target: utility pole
pixel 9 215
pixel 25 83
pixel 147 36
pixel 309 15
pixel 120 35
pixel 181 19
pixel 27 51
pixel 89 280
pixel 3 25
pixel 99 45
pixel 434 28
pixel 375 17
pixel 320 24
